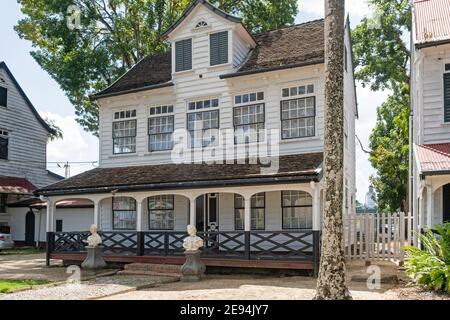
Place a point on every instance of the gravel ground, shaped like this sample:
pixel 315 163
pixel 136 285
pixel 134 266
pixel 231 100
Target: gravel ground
pixel 96 288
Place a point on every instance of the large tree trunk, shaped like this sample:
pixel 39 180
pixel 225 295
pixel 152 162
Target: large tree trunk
pixel 331 282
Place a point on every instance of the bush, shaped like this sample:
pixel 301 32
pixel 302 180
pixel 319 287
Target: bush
pixel 430 267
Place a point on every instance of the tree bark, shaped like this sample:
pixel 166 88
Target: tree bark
pixel 331 283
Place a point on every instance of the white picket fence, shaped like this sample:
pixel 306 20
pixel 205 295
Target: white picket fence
pixel 377 237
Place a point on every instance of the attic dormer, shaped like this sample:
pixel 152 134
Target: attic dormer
pixel 206 38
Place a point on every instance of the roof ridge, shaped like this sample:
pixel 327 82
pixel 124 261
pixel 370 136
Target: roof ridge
pixel 288 27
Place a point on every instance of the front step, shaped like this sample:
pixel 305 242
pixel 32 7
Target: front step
pixel 152 269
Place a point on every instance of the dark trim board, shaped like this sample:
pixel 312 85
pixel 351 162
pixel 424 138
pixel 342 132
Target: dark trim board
pixel 269 264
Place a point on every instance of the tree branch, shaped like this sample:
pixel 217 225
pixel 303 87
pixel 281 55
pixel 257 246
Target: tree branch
pixel 362 147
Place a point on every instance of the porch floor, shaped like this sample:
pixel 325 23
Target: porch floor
pixel 216 262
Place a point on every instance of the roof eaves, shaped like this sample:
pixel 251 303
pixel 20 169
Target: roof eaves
pixel 118 93
pixel 28 102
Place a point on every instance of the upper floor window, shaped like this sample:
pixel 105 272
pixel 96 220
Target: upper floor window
pixel 248 97
pixel 297 210
pixel 447 93
pixel 124 213
pixel 218 43
pixel 124 132
pixel 201 24
pixel 160 128
pixel 161 212
pixel 249 123
pixel 258 208
pixel 4 136
pixel 183 55
pixel 203 104
pixel 3 97
pixel 297 91
pixel 203 128
pixel 298 118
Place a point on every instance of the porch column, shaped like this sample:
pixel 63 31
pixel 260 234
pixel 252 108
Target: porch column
pixel 316 206
pixel 247 214
pixel 50 216
pixel 97 214
pixel 192 211
pixel 139 215
pixel 430 206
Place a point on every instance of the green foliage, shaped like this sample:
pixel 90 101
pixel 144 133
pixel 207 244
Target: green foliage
pixel 381 54
pixel 11 285
pixel 390 152
pixel 114 35
pixel 58 133
pixel 430 267
pixel 381 60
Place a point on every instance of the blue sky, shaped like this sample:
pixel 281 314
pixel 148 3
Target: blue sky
pixel 78 145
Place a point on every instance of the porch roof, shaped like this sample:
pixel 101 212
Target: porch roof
pixel 433 158
pixel 292 169
pixel 15 185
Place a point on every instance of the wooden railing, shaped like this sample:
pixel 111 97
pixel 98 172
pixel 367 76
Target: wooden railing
pixel 253 245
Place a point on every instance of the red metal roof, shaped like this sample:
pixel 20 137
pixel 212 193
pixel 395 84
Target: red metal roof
pixel 16 185
pixel 432 20
pixel 433 157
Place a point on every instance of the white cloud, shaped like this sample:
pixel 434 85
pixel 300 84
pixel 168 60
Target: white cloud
pixel 76 146
pixel 315 8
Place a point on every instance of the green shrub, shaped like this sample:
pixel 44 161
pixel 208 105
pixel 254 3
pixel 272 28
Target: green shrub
pixel 430 267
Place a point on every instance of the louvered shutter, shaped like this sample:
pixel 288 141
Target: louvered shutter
pixel 219 48
pixel 3 148
pixel 3 97
pixel 183 55
pixel 447 97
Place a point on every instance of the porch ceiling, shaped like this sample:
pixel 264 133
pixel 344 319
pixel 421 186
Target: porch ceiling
pixel 292 169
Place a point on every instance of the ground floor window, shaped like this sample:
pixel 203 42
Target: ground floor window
pixel 297 210
pixel 258 208
pixel 3 200
pixel 124 213
pixel 161 212
pixel 59 225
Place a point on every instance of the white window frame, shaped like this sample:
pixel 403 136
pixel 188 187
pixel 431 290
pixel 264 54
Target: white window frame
pixel 6 97
pixel 205 132
pixel 254 212
pixel 305 118
pixel 165 211
pixel 132 212
pixel 130 119
pixel 5 135
pixel 292 225
pixel 160 111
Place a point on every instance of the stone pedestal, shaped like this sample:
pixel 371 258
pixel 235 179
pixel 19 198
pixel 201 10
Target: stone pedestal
pixel 193 269
pixel 94 259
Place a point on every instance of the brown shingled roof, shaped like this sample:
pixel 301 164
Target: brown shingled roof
pixel 288 47
pixel 294 168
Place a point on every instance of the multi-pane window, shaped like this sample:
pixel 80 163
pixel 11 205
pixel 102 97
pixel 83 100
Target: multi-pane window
pixel 3 201
pixel 248 123
pixel 298 91
pixel 161 212
pixel 160 129
pixel 297 210
pixel 124 213
pixel 124 136
pixel 183 55
pixel 3 97
pixel 218 43
pixel 4 135
pixel 203 104
pixel 125 114
pixel 201 24
pixel 248 97
pixel 258 206
pixel 447 93
pixel 298 118
pixel 203 128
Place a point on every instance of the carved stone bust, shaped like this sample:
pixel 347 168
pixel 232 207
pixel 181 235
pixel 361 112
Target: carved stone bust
pixel 94 240
pixel 193 242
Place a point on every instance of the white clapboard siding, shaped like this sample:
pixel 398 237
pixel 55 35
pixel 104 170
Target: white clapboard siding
pixel 377 237
pixel 27 138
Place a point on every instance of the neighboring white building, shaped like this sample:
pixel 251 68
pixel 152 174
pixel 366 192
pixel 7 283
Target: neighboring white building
pixel 370 199
pixel 430 104
pixel 23 156
pixel 218 78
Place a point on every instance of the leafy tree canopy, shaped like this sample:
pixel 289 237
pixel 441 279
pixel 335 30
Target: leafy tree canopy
pixel 112 35
pixel 381 59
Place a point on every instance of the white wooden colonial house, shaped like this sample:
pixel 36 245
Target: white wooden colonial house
pixel 225 132
pixel 430 104
pixel 23 149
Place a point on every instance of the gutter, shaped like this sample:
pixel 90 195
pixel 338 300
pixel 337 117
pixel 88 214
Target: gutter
pixel 291 66
pixel 434 173
pixel 182 185
pixel 432 44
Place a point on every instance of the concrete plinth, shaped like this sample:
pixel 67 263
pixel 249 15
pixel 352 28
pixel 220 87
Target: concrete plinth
pixel 193 269
pixel 94 259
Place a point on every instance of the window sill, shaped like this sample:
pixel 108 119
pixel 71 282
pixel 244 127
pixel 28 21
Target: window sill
pixel 184 72
pixel 123 155
pixel 149 153
pixel 313 138
pixel 445 124
pixel 217 66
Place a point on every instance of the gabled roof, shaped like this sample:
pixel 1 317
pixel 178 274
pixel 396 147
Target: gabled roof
pixel 192 6
pixel 432 22
pixel 27 101
pixel 284 48
pixel 293 168
pixel 15 185
pixel 433 158
pixel 288 47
